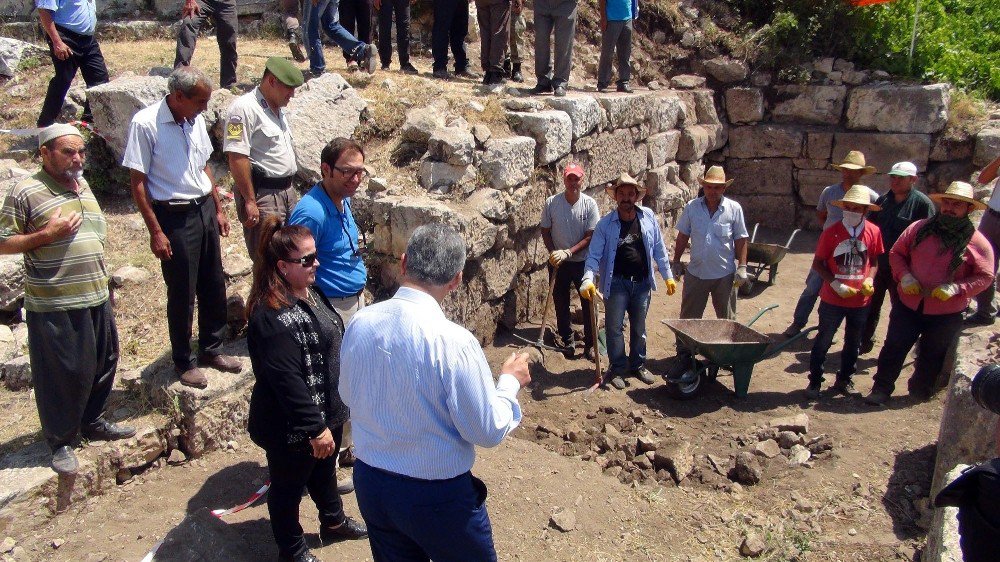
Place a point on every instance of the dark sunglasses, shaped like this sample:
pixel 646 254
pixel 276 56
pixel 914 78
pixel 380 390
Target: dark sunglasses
pixel 305 261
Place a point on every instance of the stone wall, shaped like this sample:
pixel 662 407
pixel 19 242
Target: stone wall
pixel 783 138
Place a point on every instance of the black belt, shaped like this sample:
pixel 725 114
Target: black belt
pixel 178 205
pixel 993 212
pixel 632 278
pixel 358 294
pixel 260 180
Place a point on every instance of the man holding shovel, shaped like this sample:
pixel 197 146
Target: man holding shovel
pixel 568 222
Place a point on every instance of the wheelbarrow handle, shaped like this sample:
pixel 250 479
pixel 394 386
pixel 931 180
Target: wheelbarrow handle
pixel 790 238
pixel 779 347
pixel 761 313
pixel 754 235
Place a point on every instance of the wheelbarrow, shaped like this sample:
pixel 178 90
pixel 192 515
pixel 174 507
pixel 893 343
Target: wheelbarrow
pixel 725 344
pixel 763 257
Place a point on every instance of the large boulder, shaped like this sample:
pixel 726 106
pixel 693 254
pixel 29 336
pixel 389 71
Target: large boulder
pixel 442 177
pixel 665 112
pixel 821 105
pixel 726 70
pixel 663 147
pixel 899 108
pixel 323 108
pixel 552 131
pixel 766 176
pixel 882 150
pixel 13 51
pixel 11 282
pixel 765 141
pixel 584 112
pixel 114 103
pixel 454 145
pixel 943 539
pixel 509 162
pixel 626 110
pixel 987 146
pixel 421 122
pixel 744 105
pixel 397 217
pixel 695 141
pixel 606 155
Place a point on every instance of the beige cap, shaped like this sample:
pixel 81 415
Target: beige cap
pixel 56 131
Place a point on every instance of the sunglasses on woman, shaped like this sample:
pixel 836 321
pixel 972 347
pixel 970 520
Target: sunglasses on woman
pixel 305 261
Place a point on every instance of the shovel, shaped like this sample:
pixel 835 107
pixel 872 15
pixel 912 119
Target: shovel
pixel 598 378
pixel 540 344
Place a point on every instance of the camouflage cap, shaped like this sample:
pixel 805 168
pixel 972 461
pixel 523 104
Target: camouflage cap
pixel 286 72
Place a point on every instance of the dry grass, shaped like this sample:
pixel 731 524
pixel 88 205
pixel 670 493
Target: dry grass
pixel 966 115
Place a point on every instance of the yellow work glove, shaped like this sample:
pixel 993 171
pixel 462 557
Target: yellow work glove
pixel 868 287
pixel 588 290
pixel 741 277
pixel 945 292
pixel 910 285
pixel 671 286
pixel 556 257
pixel 843 291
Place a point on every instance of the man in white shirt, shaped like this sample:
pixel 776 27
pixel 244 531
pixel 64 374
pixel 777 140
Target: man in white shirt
pixel 989 226
pixel 422 397
pixel 167 152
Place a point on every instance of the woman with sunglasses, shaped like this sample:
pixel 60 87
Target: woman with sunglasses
pixel 296 414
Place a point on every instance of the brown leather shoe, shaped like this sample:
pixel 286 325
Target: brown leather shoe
pixel 226 363
pixel 194 377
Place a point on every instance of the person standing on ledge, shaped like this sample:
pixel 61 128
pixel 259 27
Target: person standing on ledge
pixel 223 15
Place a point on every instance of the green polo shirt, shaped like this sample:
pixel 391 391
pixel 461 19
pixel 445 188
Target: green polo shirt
pixel 67 274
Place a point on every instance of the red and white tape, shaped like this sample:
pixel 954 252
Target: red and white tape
pixel 220 513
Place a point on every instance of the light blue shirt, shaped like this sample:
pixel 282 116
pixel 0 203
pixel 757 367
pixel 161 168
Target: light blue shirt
pixel 342 272
pixel 604 246
pixel 712 237
pixel 420 390
pixel 78 16
pixel 172 155
pixel 835 192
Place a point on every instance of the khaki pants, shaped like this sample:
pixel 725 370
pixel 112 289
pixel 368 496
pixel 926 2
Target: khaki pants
pixel 278 202
pixel 347 308
pixel 694 298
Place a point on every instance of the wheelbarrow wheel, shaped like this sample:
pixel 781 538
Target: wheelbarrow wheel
pixel 690 384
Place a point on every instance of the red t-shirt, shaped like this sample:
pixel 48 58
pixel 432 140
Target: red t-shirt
pixel 849 259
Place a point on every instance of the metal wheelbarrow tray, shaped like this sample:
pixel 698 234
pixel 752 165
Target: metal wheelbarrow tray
pixel 725 344
pixel 763 257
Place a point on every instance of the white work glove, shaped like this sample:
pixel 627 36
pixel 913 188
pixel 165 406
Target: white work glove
pixel 843 291
pixel 556 257
pixel 588 290
pixel 910 285
pixel 741 276
pixel 945 291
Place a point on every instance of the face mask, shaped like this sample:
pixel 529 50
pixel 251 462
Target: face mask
pixel 852 219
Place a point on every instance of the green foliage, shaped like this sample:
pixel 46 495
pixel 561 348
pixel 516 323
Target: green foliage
pixel 957 40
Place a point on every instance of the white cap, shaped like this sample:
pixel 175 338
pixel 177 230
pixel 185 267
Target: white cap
pixel 908 169
pixel 56 131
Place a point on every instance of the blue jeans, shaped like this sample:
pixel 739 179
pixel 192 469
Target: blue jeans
pixel 807 300
pixel 325 14
pixel 830 318
pixel 410 519
pixel 630 297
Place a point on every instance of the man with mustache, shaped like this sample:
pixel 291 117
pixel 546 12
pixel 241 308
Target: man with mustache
pixel 52 218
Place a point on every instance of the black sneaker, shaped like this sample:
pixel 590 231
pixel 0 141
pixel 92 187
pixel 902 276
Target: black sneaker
pixel 541 88
pixel 409 69
pixel 385 67
pixel 866 347
pixel 845 387
pixel 602 87
pixel 466 73
pixel 559 91
pixel 102 430
pixel 442 75
pixel 813 391
pixel 348 530
pixel 877 398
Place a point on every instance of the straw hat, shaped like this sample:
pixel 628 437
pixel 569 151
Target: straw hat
pixel 625 179
pixel 960 191
pixel 715 176
pixel 859 195
pixel 855 160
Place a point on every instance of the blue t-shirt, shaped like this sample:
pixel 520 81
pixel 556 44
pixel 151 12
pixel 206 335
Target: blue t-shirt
pixel 341 272
pixel 78 16
pixel 622 10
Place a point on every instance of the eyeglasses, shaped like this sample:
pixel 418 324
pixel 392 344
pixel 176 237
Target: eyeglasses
pixel 305 261
pixel 352 172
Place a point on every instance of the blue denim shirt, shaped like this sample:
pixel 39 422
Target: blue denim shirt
pixel 604 246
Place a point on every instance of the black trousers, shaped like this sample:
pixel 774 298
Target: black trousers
pixel 401 9
pixel 883 284
pixel 356 17
pixel 451 26
pixel 195 270
pixel 936 333
pixel 87 58
pixel 293 471
pixel 223 14
pixel 569 275
pixel 73 355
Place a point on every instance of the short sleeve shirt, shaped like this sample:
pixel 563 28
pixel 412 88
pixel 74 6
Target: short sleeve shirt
pixel 66 274
pixel 342 272
pixel 849 258
pixel 894 217
pixel 995 197
pixel 568 223
pixel 622 10
pixel 834 213
pixel 172 155
pixel 712 237
pixel 255 131
pixel 78 16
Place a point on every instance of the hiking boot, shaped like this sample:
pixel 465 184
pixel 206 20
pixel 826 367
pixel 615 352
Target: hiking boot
pixel 295 46
pixel 866 347
pixel 541 88
pixel 349 529
pixel 221 362
pixel 369 59
pixel 643 374
pixel 625 88
pixel 559 91
pixel 345 487
pixel 102 430
pixel 980 320
pixel 813 391
pixel 466 73
pixel 516 75
pixel 602 87
pixel 408 69
pixel 64 460
pixel 195 378
pixel 845 387
pixel 792 330
pixel 616 381
pixel 304 557
pixel 442 74
pixel 877 398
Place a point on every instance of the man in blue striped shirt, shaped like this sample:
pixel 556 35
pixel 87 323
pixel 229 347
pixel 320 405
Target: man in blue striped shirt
pixel 422 397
